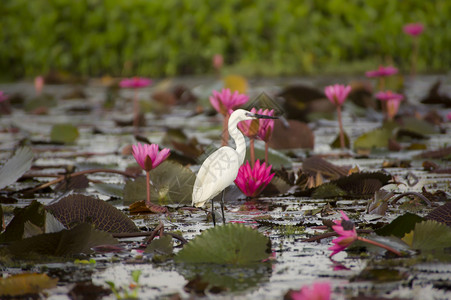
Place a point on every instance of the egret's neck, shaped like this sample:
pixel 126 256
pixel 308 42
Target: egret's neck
pixel 240 142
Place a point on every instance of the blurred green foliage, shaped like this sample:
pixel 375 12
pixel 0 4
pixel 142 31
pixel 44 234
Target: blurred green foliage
pixel 173 37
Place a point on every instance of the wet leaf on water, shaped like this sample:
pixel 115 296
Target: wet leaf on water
pixel 441 214
pixel 429 236
pixel 40 103
pixel 362 184
pixel 315 164
pixel 435 96
pixel 275 158
pixel 139 207
pixel 64 133
pixel 79 239
pixel 276 186
pixel 33 213
pixel 379 204
pixel 172 183
pixel 77 208
pixel 112 190
pixel 377 138
pixel 72 183
pixel 26 283
pixel 400 226
pixel 380 275
pixel 438 154
pixel 88 290
pixel 16 166
pixel 189 147
pixel 161 246
pixel 294 136
pixel 233 244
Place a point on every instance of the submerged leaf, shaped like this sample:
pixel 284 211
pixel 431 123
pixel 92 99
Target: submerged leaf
pixel 233 244
pixel 77 208
pixel 79 239
pixel 16 166
pixel 64 133
pixel 26 283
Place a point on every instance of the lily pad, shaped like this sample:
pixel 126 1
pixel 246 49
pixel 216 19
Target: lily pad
pixel 79 239
pixel 400 226
pixel 77 208
pixel 64 133
pixel 428 236
pixel 16 166
pixel 112 190
pixel 171 183
pixel 377 138
pixel 26 283
pixel 233 244
pixel 161 246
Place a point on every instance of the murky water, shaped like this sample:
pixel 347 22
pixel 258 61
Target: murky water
pixel 296 263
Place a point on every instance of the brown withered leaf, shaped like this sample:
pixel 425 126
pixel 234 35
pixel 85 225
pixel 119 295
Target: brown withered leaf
pixel 441 214
pixel 435 97
pixel 139 207
pixel 73 183
pixel 440 153
pixel 315 164
pixel 296 135
pixel 77 208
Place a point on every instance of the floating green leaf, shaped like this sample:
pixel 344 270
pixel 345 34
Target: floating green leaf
pixel 161 246
pixel 400 226
pixel 16 166
pixel 327 191
pixel 172 183
pixel 233 244
pixel 418 126
pixel 79 239
pixel 429 235
pixel 377 138
pixel 64 133
pixel 337 144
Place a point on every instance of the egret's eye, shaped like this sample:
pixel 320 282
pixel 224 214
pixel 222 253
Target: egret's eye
pixel 248 114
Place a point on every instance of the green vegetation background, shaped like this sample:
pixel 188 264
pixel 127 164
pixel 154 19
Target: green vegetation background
pixel 174 37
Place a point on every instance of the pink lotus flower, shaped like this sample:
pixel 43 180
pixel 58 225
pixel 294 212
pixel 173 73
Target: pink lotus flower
pixel 413 29
pixel 347 234
pixel 382 72
pixel 316 291
pixel 448 116
pixel 261 128
pixel 3 97
pixel 252 181
pixel 148 156
pixel 389 95
pixel 224 101
pixel 135 82
pixel 337 93
pixel 393 107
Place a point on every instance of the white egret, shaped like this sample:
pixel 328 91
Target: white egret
pixel 220 169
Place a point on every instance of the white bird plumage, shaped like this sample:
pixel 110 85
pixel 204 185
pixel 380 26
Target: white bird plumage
pixel 220 169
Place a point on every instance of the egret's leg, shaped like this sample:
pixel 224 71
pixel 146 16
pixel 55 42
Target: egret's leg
pixel 213 212
pixel 222 207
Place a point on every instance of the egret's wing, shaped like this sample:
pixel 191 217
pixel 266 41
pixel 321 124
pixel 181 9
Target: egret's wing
pixel 217 172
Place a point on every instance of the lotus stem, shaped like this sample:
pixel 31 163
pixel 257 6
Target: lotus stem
pixel 340 124
pixel 252 151
pixel 388 248
pixel 415 47
pixel 148 188
pixel 266 152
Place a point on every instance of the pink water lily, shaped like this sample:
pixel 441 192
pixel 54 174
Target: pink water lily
pixel 148 157
pixel 347 234
pixel 135 82
pixel 413 29
pixel 252 180
pixel 226 100
pixel 261 128
pixel 38 84
pixel 382 72
pixel 337 93
pixel 316 291
pixel 388 95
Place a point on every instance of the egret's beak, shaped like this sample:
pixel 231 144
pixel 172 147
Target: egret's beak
pixel 260 116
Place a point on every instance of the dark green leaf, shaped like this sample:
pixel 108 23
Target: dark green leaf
pixel 377 138
pixel 400 226
pixel 275 158
pixel 431 235
pixel 161 246
pixel 233 244
pixel 112 190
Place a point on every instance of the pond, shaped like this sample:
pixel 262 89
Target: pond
pixel 287 218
